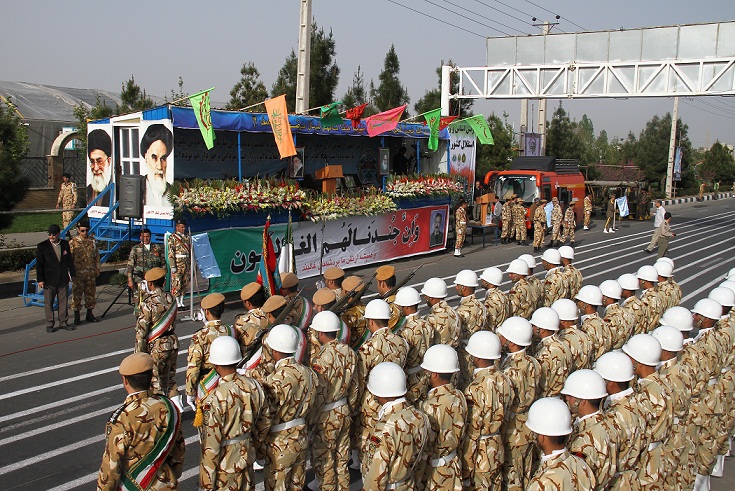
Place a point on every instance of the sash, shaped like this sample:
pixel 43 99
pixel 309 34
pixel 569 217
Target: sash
pixel 303 321
pixel 343 335
pixel 183 243
pixel 359 342
pixel 163 324
pixel 140 476
pixel 399 325
pixel 207 384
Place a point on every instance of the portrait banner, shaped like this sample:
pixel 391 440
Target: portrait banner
pixel 462 150
pixel 157 166
pixel 99 167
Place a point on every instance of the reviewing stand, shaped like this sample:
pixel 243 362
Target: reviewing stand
pixel 329 175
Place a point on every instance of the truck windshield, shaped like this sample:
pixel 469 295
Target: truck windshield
pixel 522 186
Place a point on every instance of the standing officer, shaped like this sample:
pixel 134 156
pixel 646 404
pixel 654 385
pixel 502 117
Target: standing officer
pixel 179 260
pixel 578 343
pixel 587 211
pixel 54 270
pixel 506 218
pixel 147 427
pixel 539 226
pixel 67 199
pixel 519 220
pixel 589 300
pixel 610 215
pixel 555 283
pixel 418 334
pixel 648 277
pixel 574 275
pixel 442 318
pixel 496 302
pixel 86 258
pixel 669 292
pixel 537 288
pixel 556 218
pixel 520 297
pixel 569 224
pixel 460 226
pixel 143 257
pixel 629 285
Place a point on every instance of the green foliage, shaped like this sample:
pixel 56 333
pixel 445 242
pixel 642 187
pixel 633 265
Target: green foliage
pixel 652 148
pixel 432 98
pixel 13 147
pixel 357 93
pixel 389 93
pixel 563 136
pixel 179 97
pixel 84 114
pixel 286 81
pixel 718 164
pixel 249 90
pixel 16 260
pixel 499 155
pixel 133 98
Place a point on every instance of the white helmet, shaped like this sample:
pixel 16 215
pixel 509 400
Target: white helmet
pixel 545 318
pixel 435 288
pixel 611 289
pixel 566 309
pixel 643 348
pixel 615 366
pixel 224 351
pixel 667 260
pixel 566 252
pixel 628 281
pixel 387 379
pixel 283 338
pixel 590 294
pixel 485 345
pixel 709 308
pixel 407 297
pixel 585 384
pixel 516 330
pixel 466 277
pixel 670 338
pixel 664 269
pixel 730 274
pixel 325 321
pixel 518 266
pixel 725 296
pixel 377 309
pixel 728 284
pixel 530 260
pixel 492 275
pixel 678 317
pixel 441 358
pixel 647 273
pixel 549 416
pixel 551 256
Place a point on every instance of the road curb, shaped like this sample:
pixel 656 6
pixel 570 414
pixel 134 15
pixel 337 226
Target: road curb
pixel 691 199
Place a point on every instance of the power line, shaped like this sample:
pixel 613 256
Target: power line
pixel 468 18
pixel 707 111
pixel 561 17
pixel 480 15
pixel 504 13
pixel 437 19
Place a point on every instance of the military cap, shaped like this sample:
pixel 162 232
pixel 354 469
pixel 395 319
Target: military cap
pixel 352 283
pixel 249 290
pixel 154 274
pixel 289 280
pixel 67 175
pixel 323 296
pixel 520 200
pixel 544 201
pixel 555 199
pixel 180 221
pixel 273 303
pixel 54 229
pixel 136 363
pixel 334 273
pixel 212 300
pixel 384 272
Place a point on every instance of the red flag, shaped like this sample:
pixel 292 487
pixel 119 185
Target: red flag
pixel 385 121
pixel 444 121
pixel 268 264
pixel 355 114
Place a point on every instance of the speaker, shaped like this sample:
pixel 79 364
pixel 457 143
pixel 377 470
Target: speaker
pixel 130 196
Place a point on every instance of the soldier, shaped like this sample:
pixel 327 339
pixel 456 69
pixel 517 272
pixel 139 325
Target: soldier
pixel 386 280
pixel 155 334
pixel 323 299
pixel 588 300
pixel 619 320
pixel 302 310
pixel 252 325
pixel 587 211
pixel 574 276
pixel 524 372
pixel 647 277
pixel 669 292
pixel 236 415
pixel 471 314
pixel 179 260
pixel 146 427
pixel 593 437
pixel 577 342
pixel 642 211
pixel 335 365
pixel 67 199
pixel 397 440
pixel 569 223
pixel 86 258
pixel 354 316
pixel 446 409
pixel 442 318
pixel 418 334
pixel 519 220
pixel 539 226
pixel 143 257
pixel 550 420
pixel 460 224
pixel 506 218
pixel 555 283
pixel 629 284
pixel 291 391
pixel 520 297
pixel 610 215
pixel 554 359
pixel 488 396
pixel 333 278
pixel 556 219
pixel 496 302
pixel 537 288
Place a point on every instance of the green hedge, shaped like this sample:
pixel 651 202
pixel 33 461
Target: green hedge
pixel 16 260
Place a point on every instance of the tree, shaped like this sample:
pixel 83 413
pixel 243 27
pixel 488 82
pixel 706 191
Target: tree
pixel 249 90
pixel 562 136
pixel 133 98
pixel 718 164
pixel 389 93
pixel 286 81
pixel 83 114
pixel 356 93
pixel 13 147
pixel 179 97
pixel 432 98
pixel 652 148
pixel 499 155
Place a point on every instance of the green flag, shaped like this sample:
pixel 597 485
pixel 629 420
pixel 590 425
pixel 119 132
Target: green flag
pixel 202 111
pixel 432 119
pixel 481 129
pixel 330 114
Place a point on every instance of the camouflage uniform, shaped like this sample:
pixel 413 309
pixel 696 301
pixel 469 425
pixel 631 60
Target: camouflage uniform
pixel 580 347
pixel 599 332
pixel 395 447
pixel 669 294
pixel 555 285
pixel 132 432
pixel 354 319
pixel 569 224
pixel 471 320
pixel 537 291
pixel 396 315
pixel 506 217
pixel 562 471
pixel 460 221
pixel 623 414
pixel 594 439
pixel 539 227
pixel 587 210
pixel 67 199
pixel 556 219
pixel 198 365
pixel 291 391
pixel 179 255
pixel 520 299
pixel 236 414
pixel 335 366
pixel 250 328
pixel 445 323
pixel 86 258
pixel 418 335
pixel 634 305
pixel 555 362
pixel 620 323
pixel 650 300
pixel 165 348
pixel 301 313
pixel 496 307
pixel 142 259
pixel 574 280
pixel 524 372
pixel 446 409
pixel 488 396
pixel 519 220
pixel 653 399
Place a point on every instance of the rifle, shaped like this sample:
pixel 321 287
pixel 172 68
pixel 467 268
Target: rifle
pixel 352 298
pixel 405 280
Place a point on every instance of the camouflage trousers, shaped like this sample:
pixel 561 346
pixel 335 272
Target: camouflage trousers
pixel 482 463
pixel 507 230
pixel 367 420
pixel 165 351
pixel 518 454
pixel 84 284
pixel 626 481
pixel 587 218
pixel 330 450
pixel 235 469
pixel 418 385
pixel 679 449
pixel 652 469
pixel 568 231
pixel 538 234
pixel 447 476
pixel 724 425
pixel 180 280
pixel 285 458
pixel 461 232
pixel 67 217
pixel 521 231
pixel 555 231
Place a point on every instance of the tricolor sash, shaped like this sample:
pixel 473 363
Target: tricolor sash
pixel 306 312
pixel 207 384
pixel 399 325
pixel 164 323
pixel 361 340
pixel 184 243
pixel 343 334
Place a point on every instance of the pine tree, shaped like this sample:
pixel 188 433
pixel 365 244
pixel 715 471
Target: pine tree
pixel 389 93
pixel 13 147
pixel 133 98
pixel 432 98
pixel 249 90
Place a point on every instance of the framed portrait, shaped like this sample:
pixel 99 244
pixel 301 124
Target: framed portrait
pixel 296 164
pixel 384 161
pixel 438 228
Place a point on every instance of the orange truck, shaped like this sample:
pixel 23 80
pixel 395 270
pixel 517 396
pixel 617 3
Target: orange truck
pixel 543 178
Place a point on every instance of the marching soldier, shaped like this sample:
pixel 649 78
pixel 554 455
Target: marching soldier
pixel 418 334
pixel 556 219
pixel 236 415
pixel 578 343
pixel 588 300
pixel 587 211
pixel 386 280
pixel 569 223
pixel 520 297
pixel 629 284
pixel 143 257
pixel 251 326
pixel 648 277
pixel 537 288
pixel 619 320
pixel 539 226
pixel 496 302
pixel 147 426
pixel 67 199
pixel 179 260
pixel 506 218
pixel 574 275
pixel 460 226
pixel 471 316
pixel 302 310
pixel 442 318
pixel 555 283
pixel 323 299
pixel 554 359
pixel 519 220
pixel 272 308
pixel 86 259
pixel 669 292
pixel 333 278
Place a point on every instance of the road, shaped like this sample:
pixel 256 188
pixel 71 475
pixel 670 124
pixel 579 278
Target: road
pixel 59 389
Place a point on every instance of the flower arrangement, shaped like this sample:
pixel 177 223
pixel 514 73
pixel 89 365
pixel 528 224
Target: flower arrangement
pixel 333 207
pixel 418 186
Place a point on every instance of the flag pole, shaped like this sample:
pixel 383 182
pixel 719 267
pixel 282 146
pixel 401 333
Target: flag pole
pixel 190 96
pixel 417 116
pixel 251 106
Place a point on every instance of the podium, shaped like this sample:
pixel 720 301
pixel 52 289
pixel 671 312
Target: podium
pixel 329 175
pixel 484 201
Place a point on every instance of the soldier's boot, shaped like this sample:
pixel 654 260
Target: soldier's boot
pixel 525 242
pixel 77 319
pixel 90 317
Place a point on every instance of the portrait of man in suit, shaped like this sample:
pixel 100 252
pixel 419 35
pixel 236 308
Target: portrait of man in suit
pixel 437 231
pixel 296 164
pixel 54 271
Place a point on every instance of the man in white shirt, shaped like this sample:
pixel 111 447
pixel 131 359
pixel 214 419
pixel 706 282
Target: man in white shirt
pixel 658 219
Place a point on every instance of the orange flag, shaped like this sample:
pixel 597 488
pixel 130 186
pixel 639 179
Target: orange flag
pixel 278 116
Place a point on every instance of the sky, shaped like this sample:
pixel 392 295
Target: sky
pixel 99 44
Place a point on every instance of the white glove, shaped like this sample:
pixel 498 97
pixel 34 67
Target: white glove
pixel 173 270
pixel 191 401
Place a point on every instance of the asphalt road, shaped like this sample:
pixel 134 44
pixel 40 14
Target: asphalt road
pixel 59 389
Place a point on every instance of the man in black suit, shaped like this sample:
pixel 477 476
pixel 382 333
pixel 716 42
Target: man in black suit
pixel 54 270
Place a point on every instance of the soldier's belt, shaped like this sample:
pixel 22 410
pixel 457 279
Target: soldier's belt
pixel 394 485
pixel 444 460
pixel 182 255
pixel 288 425
pixel 413 370
pixel 334 405
pixel 237 439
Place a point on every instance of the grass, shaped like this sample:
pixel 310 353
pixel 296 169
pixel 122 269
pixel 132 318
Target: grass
pixel 32 222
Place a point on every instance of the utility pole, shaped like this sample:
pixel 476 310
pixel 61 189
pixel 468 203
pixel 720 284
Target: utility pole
pixel 547 26
pixel 672 149
pixel 304 58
